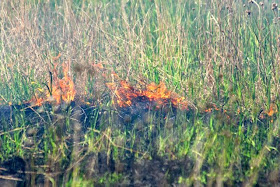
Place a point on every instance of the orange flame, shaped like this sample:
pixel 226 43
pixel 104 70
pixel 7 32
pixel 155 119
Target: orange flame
pixel 272 110
pixel 125 93
pixel 60 89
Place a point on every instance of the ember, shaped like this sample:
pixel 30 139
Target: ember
pixel 125 95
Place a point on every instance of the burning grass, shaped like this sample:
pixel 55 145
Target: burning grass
pixel 124 95
pixel 153 114
pixel 58 89
pixel 224 59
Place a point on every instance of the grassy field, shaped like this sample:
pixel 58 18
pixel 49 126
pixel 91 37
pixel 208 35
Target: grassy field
pixel 223 57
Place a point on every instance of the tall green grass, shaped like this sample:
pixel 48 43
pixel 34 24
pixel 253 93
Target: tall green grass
pixel 222 52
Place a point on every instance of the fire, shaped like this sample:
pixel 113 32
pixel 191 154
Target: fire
pixel 272 110
pixel 213 107
pixel 60 89
pixel 125 95
pixel 155 92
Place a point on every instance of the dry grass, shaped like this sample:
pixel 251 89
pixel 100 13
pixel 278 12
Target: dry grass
pixel 206 47
pixel 218 51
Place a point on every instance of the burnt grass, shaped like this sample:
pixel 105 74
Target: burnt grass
pixel 69 124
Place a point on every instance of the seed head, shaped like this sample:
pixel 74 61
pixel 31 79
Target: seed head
pixel 248 12
pixel 221 77
pixel 274 6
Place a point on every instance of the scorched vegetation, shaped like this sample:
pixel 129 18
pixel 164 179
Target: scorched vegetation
pixel 139 93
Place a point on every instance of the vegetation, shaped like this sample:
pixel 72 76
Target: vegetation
pixel 222 56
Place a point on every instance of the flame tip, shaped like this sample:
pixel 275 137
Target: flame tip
pixel 158 93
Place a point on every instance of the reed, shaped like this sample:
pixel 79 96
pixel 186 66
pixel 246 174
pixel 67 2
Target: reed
pixel 222 57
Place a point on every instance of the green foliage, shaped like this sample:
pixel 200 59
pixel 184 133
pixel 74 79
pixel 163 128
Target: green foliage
pixel 207 51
